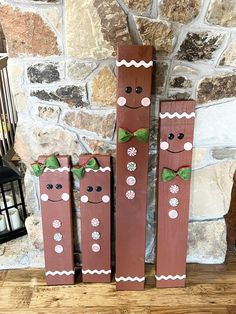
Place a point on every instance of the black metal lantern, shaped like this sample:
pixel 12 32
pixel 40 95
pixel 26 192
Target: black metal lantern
pixel 12 205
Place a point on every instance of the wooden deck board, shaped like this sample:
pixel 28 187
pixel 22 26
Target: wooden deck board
pixel 210 289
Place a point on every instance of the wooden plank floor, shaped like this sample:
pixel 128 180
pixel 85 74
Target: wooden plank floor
pixel 210 289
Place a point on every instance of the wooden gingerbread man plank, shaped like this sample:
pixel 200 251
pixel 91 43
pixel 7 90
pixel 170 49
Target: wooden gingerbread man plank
pixel 94 173
pixel 55 190
pixel 175 157
pixel 134 67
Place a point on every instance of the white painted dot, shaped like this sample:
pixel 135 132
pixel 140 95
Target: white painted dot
pixel 188 146
pixel 164 145
pixel 121 101
pixel 84 198
pixel 59 249
pixel 96 247
pixel 145 101
pixel 96 235
pixel 173 214
pixel 95 222
pixel 106 199
pixel 131 166
pixel 132 151
pixel 174 202
pixel 57 236
pixel 131 180
pixel 174 189
pixel 65 197
pixel 130 194
pixel 44 197
pixel 56 223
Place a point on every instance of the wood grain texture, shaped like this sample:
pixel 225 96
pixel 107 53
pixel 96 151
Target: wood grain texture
pixel 131 213
pixel 96 185
pixel 176 125
pixel 210 289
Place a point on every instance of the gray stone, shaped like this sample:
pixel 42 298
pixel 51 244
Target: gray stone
pixel 48 113
pixel 181 11
pixel 99 122
pixel 224 153
pixel 222 12
pixel 211 191
pixel 159 77
pixel 184 70
pixel 31 200
pixel 199 46
pixel 215 126
pixel 180 82
pixel 79 70
pixel 74 96
pixel 229 55
pixel 138 6
pixel 216 87
pixel 207 242
pixel 178 96
pixel 34 227
pixel 43 73
pixel 99 147
pixel 156 33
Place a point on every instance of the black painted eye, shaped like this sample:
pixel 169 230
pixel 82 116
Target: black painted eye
pixel 49 186
pixel 138 89
pixel 58 186
pixel 171 136
pixel 98 188
pixel 180 136
pixel 89 188
pixel 128 89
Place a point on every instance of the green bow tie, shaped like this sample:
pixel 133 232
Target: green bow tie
pixel 141 135
pixel 51 162
pixel 168 174
pixel 79 171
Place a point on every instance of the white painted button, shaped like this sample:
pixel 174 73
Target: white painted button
pixel 131 166
pixel 65 197
pixel 84 198
pixel 57 236
pixel 174 189
pixel 131 180
pixel 96 235
pixel 44 197
pixel 95 222
pixel 96 247
pixel 59 249
pixel 174 202
pixel 56 223
pixel 164 145
pixel 106 199
pixel 132 151
pixel 173 214
pixel 130 194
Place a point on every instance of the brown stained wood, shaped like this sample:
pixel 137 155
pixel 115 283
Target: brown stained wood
pixel 210 289
pixel 133 113
pixel 175 154
pixel 230 217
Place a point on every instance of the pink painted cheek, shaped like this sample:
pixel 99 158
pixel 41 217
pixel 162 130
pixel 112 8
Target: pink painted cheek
pixel 44 197
pixel 188 146
pixel 164 145
pixel 65 197
pixel 121 101
pixel 145 102
pixel 106 199
pixel 84 198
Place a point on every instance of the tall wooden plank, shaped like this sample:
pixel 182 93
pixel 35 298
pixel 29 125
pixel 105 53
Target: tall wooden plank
pixel 134 68
pixel 95 207
pixel 55 193
pixel 176 127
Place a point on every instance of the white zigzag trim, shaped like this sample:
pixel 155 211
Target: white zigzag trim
pixel 100 169
pixel 134 63
pixel 60 273
pixel 58 169
pixel 177 115
pixel 139 279
pixel 162 277
pixel 96 271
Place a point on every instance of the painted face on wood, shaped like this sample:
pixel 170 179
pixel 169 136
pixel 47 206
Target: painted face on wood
pixel 54 189
pixel 133 93
pixel 96 190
